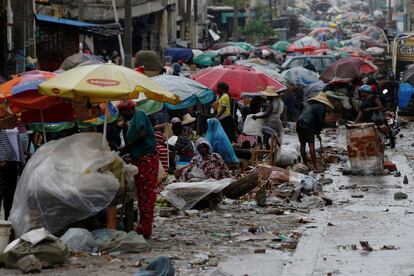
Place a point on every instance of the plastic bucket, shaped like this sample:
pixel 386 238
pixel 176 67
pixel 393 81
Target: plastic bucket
pixel 5 228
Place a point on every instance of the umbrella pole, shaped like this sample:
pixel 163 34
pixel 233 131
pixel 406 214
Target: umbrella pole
pixel 43 126
pixel 105 124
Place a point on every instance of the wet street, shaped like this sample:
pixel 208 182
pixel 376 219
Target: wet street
pixel 364 210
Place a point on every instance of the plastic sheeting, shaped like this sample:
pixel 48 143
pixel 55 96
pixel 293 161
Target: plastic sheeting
pixel 405 92
pixel 65 181
pixel 185 195
pixel 218 139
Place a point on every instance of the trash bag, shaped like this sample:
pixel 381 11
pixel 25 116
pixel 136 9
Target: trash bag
pixel 253 127
pixel 184 195
pixel 79 240
pixel 160 266
pixel 119 241
pixel 65 181
pixel 44 246
pixel 220 142
pixel 288 155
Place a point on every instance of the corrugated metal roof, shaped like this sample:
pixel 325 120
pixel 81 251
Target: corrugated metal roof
pixel 69 22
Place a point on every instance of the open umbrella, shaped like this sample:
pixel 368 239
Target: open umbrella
pixel 300 77
pixel 79 58
pixel 281 46
pixel 205 59
pixel 245 46
pixel 21 91
pixel 220 45
pixel 304 44
pixel 231 51
pixel 105 82
pixel 241 79
pixel 346 69
pixel 313 89
pixel 188 90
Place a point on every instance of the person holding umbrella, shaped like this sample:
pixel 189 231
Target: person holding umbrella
pixel 310 124
pixel 141 145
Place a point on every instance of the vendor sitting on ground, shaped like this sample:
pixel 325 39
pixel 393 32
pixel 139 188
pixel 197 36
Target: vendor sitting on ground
pixel 206 164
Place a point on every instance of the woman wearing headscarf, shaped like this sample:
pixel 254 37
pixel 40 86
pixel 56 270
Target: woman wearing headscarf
pixel 206 162
pixel 219 141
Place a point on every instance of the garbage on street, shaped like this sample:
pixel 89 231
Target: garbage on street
pixel 206 138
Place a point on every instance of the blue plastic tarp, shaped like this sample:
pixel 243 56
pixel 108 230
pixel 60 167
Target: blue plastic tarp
pixel 405 92
pixel 179 53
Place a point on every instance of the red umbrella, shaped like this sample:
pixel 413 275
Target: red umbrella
pixel 346 69
pixel 241 79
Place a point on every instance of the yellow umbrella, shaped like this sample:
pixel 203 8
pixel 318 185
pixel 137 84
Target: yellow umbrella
pixel 102 83
pixel 105 82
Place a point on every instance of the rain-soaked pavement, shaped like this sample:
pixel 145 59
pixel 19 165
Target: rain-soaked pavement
pixel 364 210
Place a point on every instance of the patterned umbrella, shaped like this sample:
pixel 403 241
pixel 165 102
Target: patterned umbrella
pixel 20 93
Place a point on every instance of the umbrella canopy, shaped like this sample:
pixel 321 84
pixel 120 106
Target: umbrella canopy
pixel 220 45
pixel 231 51
pixel 79 58
pixel 281 46
pixel 103 82
pixel 21 92
pixel 313 89
pixel 241 79
pixel 346 69
pixel 245 46
pixel 300 77
pixel 304 44
pixel 270 72
pixel 187 89
pixel 205 59
pixel 197 52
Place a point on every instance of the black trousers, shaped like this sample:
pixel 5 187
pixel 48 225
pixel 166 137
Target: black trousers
pixel 8 181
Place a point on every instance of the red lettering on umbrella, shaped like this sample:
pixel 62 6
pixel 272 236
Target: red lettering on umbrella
pixel 103 82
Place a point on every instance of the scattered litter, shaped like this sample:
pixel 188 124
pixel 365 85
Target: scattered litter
pixel 400 196
pixel 310 202
pixel 365 246
pixel 79 240
pixel 29 264
pixel 389 247
pixel 113 241
pixel 199 259
pixel 405 181
pixel 160 266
